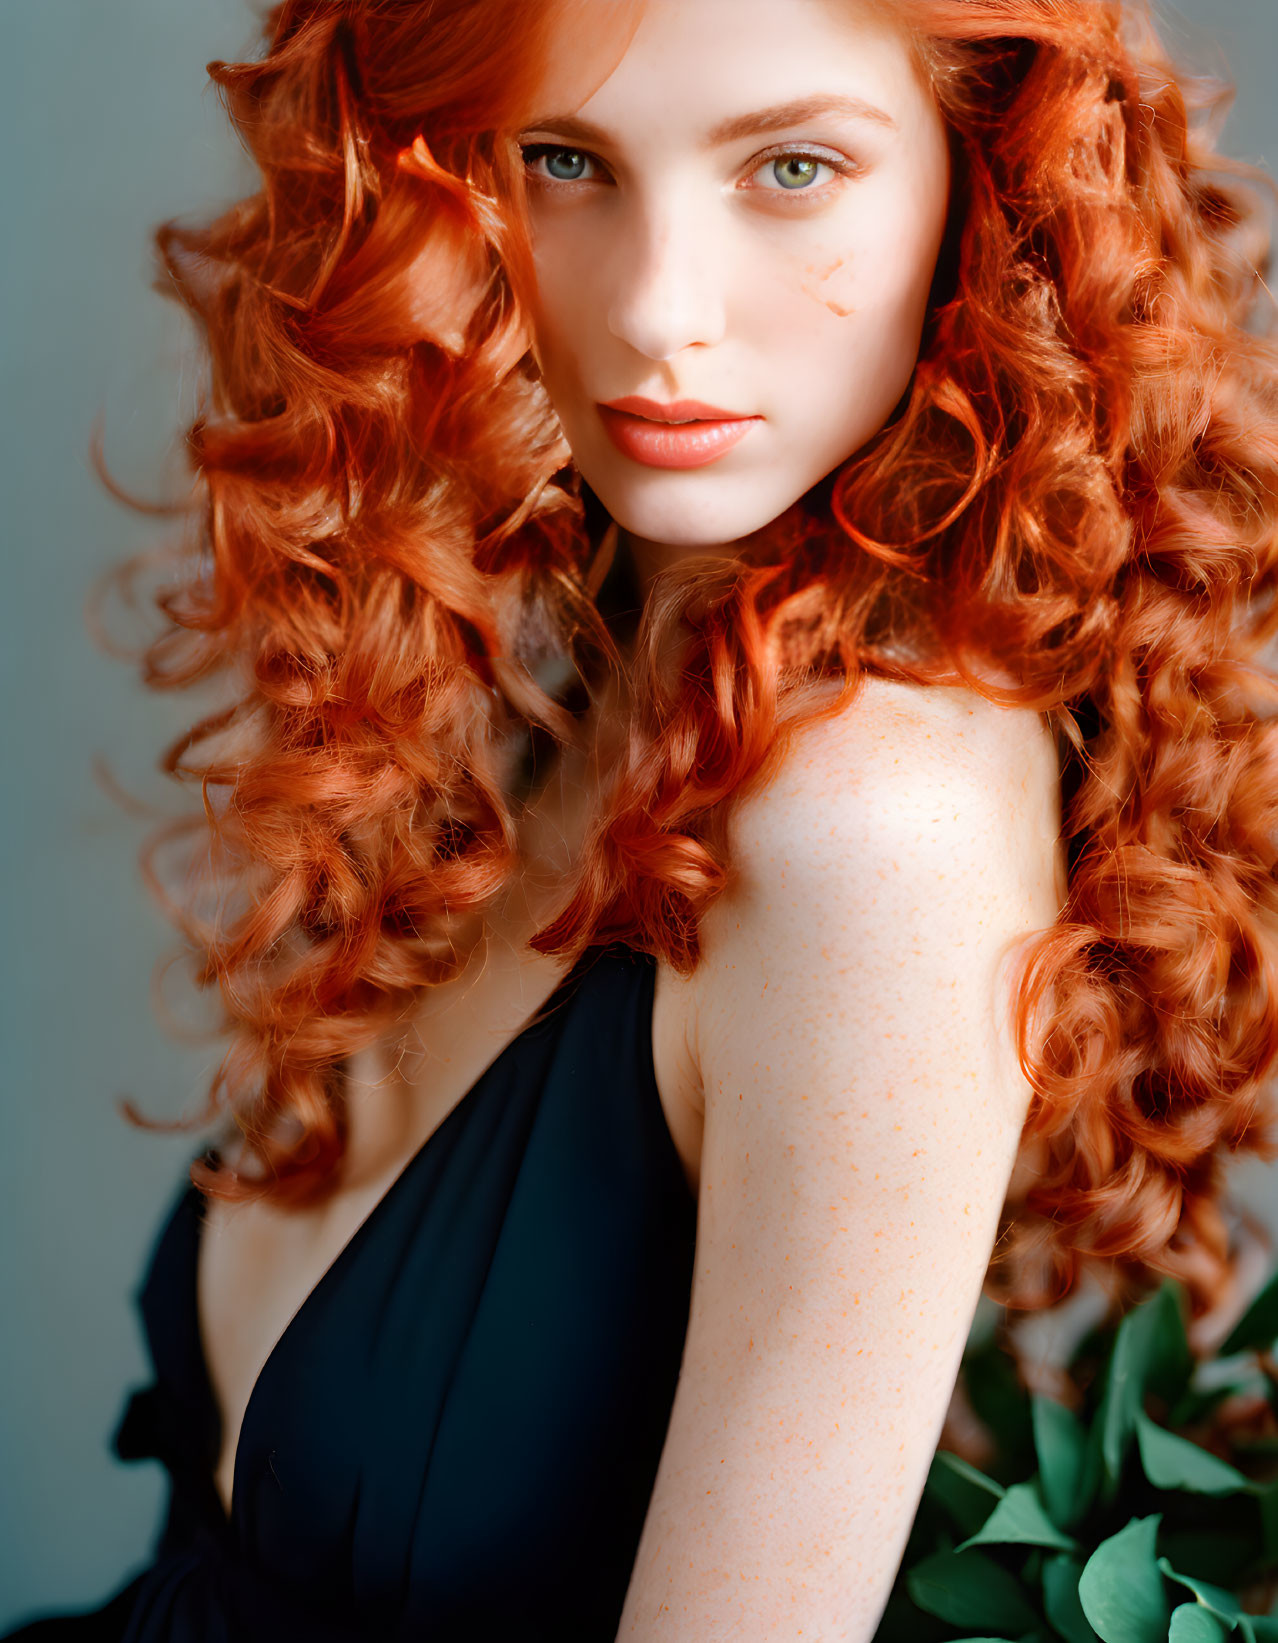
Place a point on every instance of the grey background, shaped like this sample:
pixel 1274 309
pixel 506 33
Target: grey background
pixel 108 128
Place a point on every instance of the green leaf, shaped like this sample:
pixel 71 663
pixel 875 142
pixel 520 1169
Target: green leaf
pixel 1121 1590
pixel 1221 1603
pixel 1060 1599
pixel 1258 1326
pixel 1172 1462
pixel 970 1589
pixel 1019 1520
pixel 1172 1363
pixel 966 1494
pixel 1124 1393
pixel 1065 1477
pixel 1193 1624
pixel 1258 1628
pixel 1150 1350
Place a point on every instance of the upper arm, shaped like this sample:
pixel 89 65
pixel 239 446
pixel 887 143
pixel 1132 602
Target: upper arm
pixel 863 1102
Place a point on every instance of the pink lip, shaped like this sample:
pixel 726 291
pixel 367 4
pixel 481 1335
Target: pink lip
pixel 682 410
pixel 684 434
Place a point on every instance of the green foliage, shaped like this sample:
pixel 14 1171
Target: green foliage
pixel 1061 1602
pixel 1067 1470
pixel 1111 1523
pixel 969 1589
pixel 1171 1463
pixel 1192 1624
pixel 967 1495
pixel 1150 1354
pixel 1019 1520
pixel 1121 1588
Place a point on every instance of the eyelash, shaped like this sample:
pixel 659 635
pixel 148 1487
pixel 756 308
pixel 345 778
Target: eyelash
pixel 532 152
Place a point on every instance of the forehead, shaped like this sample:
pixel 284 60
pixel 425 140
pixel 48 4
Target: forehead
pixel 702 61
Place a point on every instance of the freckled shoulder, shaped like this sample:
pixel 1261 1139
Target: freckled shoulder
pixel 914 818
pixel 902 767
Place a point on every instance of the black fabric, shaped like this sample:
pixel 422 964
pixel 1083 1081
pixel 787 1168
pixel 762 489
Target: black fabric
pixel 457 1435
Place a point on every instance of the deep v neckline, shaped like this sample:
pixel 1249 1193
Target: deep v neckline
pixel 217 1425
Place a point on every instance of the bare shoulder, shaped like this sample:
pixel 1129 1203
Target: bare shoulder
pixel 906 829
pixel 907 771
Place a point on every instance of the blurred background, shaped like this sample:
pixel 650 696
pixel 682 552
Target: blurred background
pixel 109 127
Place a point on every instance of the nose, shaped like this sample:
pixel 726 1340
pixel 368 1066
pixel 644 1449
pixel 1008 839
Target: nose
pixel 668 286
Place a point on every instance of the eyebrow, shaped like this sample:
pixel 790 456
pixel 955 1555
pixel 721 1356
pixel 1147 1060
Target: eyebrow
pixel 777 118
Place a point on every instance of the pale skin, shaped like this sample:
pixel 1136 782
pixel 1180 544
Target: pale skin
pixel 838 1074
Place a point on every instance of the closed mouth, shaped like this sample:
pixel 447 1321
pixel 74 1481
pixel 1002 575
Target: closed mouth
pixel 685 434
pixel 677 412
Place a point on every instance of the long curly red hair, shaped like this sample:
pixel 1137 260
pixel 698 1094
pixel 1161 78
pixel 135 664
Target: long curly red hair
pixel 1080 488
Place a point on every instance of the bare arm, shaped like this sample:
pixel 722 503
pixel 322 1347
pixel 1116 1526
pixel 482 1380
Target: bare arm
pixel 863 1104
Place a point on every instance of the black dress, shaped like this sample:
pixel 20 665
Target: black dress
pixel 456 1437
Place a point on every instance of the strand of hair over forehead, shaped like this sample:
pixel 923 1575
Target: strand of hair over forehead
pixel 1081 489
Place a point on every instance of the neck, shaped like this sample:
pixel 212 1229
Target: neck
pixel 649 558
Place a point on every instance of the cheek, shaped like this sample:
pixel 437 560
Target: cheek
pixel 856 301
pixel 836 331
pixel 795 303
pixel 557 315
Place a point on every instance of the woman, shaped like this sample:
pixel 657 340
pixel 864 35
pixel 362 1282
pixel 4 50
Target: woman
pixel 743 521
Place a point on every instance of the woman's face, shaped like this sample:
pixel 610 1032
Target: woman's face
pixel 735 235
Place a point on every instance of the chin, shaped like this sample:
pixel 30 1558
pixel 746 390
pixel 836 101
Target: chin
pixel 709 521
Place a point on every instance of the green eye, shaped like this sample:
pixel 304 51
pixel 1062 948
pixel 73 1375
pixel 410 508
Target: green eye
pixel 795 171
